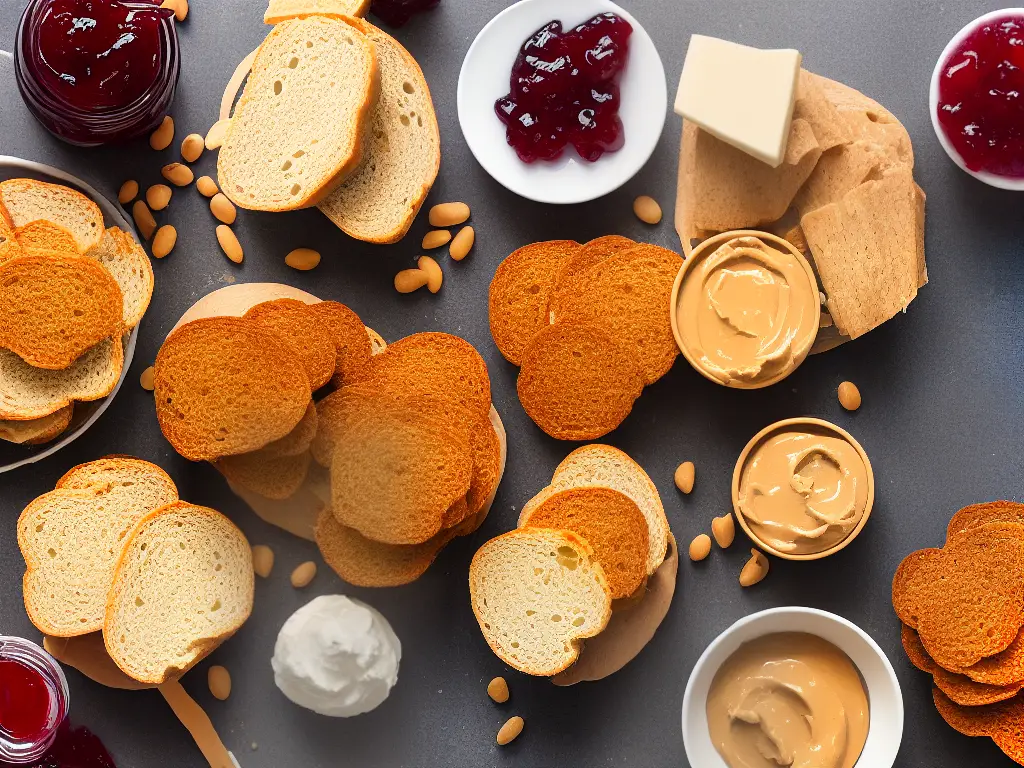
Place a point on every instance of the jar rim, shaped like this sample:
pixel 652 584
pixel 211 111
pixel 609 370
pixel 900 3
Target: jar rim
pixel 29 654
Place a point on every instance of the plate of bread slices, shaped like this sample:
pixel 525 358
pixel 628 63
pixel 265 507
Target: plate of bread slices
pixel 74 285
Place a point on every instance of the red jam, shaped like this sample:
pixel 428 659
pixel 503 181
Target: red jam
pixel 75 748
pixel 981 98
pixel 24 701
pixel 396 13
pixel 564 90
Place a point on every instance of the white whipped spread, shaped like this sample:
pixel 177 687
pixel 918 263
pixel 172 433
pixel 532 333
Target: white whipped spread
pixel 336 656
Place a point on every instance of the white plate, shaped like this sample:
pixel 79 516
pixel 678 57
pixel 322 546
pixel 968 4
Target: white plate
pixel 885 730
pixel 485 78
pixel 85 414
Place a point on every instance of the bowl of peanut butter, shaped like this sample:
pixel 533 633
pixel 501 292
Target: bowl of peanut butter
pixel 793 687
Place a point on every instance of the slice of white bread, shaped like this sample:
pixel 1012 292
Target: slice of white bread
pixel 27 392
pixel 282 10
pixel 183 585
pixel 537 593
pixel 72 537
pixel 602 465
pixel 129 265
pixel 37 431
pixel 298 129
pixel 380 200
pixel 28 200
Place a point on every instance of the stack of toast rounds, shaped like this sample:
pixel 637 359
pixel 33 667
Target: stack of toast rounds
pixel 335 114
pixel 580 588
pixel 380 453
pixel 70 289
pixel 589 327
pixel 962 608
pixel 113 550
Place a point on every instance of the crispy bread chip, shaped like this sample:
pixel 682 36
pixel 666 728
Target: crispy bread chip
pixel 267 474
pixel 1002 722
pixel 351 341
pixel 588 255
pixel 303 332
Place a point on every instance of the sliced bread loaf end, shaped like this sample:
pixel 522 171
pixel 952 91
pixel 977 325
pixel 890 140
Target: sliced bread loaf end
pixel 282 10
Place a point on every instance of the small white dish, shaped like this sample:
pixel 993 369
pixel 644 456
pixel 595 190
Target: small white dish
pixel 85 414
pixel 885 731
pixel 992 179
pixel 485 78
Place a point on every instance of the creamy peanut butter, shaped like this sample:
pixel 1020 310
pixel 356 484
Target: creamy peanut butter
pixel 747 312
pixel 788 699
pixel 803 489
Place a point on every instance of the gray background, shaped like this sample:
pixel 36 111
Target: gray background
pixel 941 418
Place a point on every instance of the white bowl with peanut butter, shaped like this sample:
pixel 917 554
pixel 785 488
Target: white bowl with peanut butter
pixel 793 687
pixel 745 309
pixel 803 489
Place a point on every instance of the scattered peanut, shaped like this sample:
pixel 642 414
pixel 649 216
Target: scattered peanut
pixel 303 575
pixel 409 280
pixel 158 196
pixel 510 730
pixel 128 192
pixel 302 259
pixel 647 209
pixel 192 147
pixel 180 8
pixel 143 219
pixel 435 239
pixel 162 137
pixel 462 244
pixel 434 274
pixel 684 476
pixel 219 680
pixel 179 174
pixel 146 379
pixel 849 396
pixel 223 209
pixel 700 547
pixel 497 689
pixel 164 240
pixel 229 244
pixel 755 569
pixel 724 530
pixel 215 136
pixel 262 560
pixel 448 214
pixel 207 186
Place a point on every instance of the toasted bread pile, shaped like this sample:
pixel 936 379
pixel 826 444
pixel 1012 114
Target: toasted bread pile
pixel 589 327
pixel 962 608
pixel 587 543
pixel 69 291
pixel 352 124
pixel 112 549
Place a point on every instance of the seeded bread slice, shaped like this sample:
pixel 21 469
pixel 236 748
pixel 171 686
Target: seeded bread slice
pixel 282 10
pixel 129 264
pixel 537 593
pixel 28 200
pixel 183 585
pixel 298 129
pixel 381 198
pixel 37 431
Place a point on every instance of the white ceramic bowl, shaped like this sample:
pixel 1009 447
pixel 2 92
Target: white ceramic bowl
pixel 885 730
pixel 485 78
pixel 994 180
pixel 86 414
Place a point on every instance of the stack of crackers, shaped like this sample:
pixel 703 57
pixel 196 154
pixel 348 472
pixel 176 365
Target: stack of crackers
pixel 589 327
pixel 962 608
pixel 69 291
pixel 844 194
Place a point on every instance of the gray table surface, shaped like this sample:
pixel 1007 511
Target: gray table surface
pixel 942 415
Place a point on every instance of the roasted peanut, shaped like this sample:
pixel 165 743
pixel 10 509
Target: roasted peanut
pixel 434 274
pixel 849 396
pixel 435 239
pixel 462 244
pixel 146 379
pixel 192 147
pixel 448 214
pixel 684 476
pixel 215 136
pixel 700 547
pixel 302 259
pixel 219 680
pixel 179 174
pixel 755 569
pixel 207 186
pixel 162 137
pixel 409 280
pixel 724 530
pixel 262 560
pixel 510 730
pixel 164 240
pixel 180 8
pixel 128 192
pixel 158 196
pixel 303 575
pixel 229 244
pixel 143 219
pixel 223 209
pixel 497 689
pixel 647 209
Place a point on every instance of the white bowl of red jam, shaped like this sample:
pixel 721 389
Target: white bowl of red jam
pixel 562 102
pixel 977 98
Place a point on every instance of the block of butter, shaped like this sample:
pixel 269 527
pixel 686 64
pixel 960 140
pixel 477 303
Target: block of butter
pixel 742 95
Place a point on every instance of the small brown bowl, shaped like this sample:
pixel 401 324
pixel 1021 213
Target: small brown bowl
pixel 710 245
pixel 804 422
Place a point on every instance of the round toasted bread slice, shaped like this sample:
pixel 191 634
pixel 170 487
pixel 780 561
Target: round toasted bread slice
pixel 577 382
pixel 299 439
pixel 269 475
pixel 52 309
pixel 300 331
pixel 350 338
pixel 333 414
pixel 46 236
pixel 629 294
pixel 224 387
pixel 612 524
pixel 537 593
pixel 485 445
pixel 590 254
pixel 520 292
pixel 183 585
pixel 37 431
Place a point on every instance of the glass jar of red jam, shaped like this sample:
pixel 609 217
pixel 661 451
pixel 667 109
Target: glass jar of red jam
pixel 33 701
pixel 97 71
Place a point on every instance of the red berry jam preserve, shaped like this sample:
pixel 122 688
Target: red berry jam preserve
pixel 981 97
pixel 564 90
pixel 33 701
pixel 96 71
pixel 75 748
pixel 395 13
